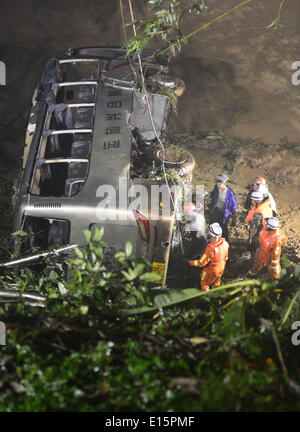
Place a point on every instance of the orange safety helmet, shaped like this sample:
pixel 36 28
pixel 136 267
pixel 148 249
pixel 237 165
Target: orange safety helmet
pixel 189 207
pixel 259 180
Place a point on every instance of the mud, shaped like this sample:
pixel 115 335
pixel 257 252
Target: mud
pixel 239 72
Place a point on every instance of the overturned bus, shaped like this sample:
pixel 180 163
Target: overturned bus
pixel 90 126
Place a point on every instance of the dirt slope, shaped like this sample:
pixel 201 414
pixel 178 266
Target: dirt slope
pixel 239 72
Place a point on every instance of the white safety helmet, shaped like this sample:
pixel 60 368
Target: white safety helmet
pixel 222 178
pixel 215 230
pixel 263 189
pixel 272 223
pixel 257 196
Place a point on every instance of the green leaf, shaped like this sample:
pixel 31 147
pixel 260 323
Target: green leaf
pixel 98 234
pixel 133 273
pixel 128 248
pixel 62 288
pixel 162 300
pixel 139 268
pixel 84 310
pixel 77 262
pixel 78 252
pixel 120 256
pixel 53 276
pixel 289 310
pixel 150 277
pixel 88 235
pixel 89 267
pixel 186 295
pixel 126 275
pixel 20 233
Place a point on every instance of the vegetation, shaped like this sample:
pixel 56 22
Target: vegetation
pixel 172 97
pixel 172 175
pixel 165 22
pixel 87 350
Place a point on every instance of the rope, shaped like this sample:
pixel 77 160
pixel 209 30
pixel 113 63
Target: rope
pixel 123 22
pixel 148 105
pixel 151 119
pixel 125 38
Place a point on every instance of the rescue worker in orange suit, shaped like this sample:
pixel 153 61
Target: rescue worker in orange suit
pixel 260 184
pixel 259 212
pixel 268 255
pixel 215 257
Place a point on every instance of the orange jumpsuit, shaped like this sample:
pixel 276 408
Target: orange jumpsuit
pixel 257 218
pixel 263 209
pixel 216 255
pixel 269 252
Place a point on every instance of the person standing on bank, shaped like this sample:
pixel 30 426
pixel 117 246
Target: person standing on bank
pixel 271 239
pixel 223 204
pixel 213 259
pixel 257 216
pixel 259 184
